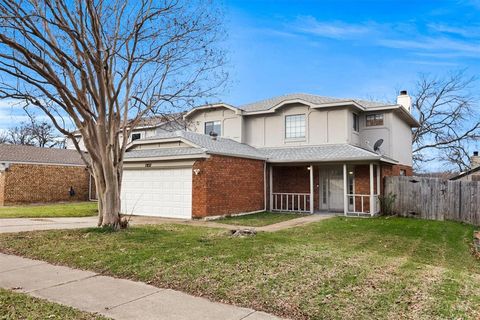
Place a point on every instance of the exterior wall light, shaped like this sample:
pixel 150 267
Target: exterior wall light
pixel 196 171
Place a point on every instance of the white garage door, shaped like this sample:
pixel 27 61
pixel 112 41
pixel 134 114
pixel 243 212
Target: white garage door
pixel 158 192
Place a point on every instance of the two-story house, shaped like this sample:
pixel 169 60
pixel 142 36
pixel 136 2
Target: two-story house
pixel 297 152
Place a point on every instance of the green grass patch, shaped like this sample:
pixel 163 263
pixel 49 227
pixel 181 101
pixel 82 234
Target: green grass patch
pixel 259 219
pixel 15 305
pixel 74 209
pixel 380 268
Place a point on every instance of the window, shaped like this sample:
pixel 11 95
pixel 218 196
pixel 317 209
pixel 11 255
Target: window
pixel 356 123
pixel 374 120
pixel 295 126
pixel 403 172
pixel 213 126
pixel 136 136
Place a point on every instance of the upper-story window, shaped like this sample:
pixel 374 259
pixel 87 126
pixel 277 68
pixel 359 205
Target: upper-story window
pixel 374 119
pixel 213 126
pixel 356 122
pixel 136 136
pixel 295 126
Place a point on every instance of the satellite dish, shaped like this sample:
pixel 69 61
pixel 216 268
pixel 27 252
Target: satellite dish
pixel 377 144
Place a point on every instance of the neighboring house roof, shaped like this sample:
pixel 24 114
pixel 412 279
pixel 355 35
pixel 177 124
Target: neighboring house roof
pixel 167 122
pixel 203 142
pixel 28 154
pixel 323 153
pixel 466 173
pixel 173 120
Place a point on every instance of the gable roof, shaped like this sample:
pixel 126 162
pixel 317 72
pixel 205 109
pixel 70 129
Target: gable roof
pixel 202 142
pixel 314 101
pixel 270 103
pixel 28 154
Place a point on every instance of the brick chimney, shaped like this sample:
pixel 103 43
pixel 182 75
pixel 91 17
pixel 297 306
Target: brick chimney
pixel 474 160
pixel 404 100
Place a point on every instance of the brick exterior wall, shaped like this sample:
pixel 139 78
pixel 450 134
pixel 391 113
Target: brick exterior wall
pixel 2 188
pixel 393 170
pixel 227 185
pixel 32 183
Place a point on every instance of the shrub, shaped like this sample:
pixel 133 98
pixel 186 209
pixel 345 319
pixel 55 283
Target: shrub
pixel 386 204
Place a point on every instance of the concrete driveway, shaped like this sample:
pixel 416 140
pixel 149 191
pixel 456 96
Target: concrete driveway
pixel 8 225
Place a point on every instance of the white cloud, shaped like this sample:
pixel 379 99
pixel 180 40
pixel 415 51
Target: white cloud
pixel 334 30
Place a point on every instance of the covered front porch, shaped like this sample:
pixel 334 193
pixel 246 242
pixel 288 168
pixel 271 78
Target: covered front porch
pixel 349 188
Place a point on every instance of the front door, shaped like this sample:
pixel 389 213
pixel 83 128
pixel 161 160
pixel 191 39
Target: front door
pixel 331 188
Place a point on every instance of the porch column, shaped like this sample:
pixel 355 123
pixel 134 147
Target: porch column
pixel 270 181
pixel 345 191
pixel 379 181
pixel 372 205
pixel 312 194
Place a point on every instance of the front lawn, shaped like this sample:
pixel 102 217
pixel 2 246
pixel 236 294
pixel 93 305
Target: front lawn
pixel 259 219
pixel 381 268
pixel 74 209
pixel 21 306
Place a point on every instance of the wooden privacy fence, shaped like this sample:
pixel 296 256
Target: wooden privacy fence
pixel 436 199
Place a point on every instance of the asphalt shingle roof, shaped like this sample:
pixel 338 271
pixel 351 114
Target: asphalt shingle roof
pixel 208 145
pixel 314 99
pixel 162 152
pixel 324 153
pixel 20 153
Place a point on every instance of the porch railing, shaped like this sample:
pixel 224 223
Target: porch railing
pixel 297 202
pixel 359 204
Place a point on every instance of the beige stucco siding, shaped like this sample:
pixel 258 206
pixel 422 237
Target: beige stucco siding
pixel 144 133
pixel 401 143
pixel 232 123
pixel 322 126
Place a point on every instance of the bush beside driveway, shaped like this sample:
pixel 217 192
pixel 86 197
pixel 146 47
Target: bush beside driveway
pixel 384 268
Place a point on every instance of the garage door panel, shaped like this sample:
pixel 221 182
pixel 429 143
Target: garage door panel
pixel 162 192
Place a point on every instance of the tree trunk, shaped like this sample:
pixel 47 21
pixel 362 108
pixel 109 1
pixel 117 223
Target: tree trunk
pixel 107 183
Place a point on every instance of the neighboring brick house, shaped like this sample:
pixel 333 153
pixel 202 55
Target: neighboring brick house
pixel 36 175
pixel 296 152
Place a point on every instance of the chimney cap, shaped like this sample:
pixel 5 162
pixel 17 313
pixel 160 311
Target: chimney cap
pixel 475 153
pixel 403 92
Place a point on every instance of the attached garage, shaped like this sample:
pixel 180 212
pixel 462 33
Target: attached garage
pixel 158 192
pixel 188 175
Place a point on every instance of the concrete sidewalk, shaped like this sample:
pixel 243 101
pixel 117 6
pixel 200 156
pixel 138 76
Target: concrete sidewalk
pixel 32 224
pixel 112 297
pixel 9 225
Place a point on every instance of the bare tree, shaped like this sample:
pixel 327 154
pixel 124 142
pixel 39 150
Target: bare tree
pixel 31 133
pixel 449 119
pixel 3 137
pixel 105 64
pixel 43 133
pixel 21 134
